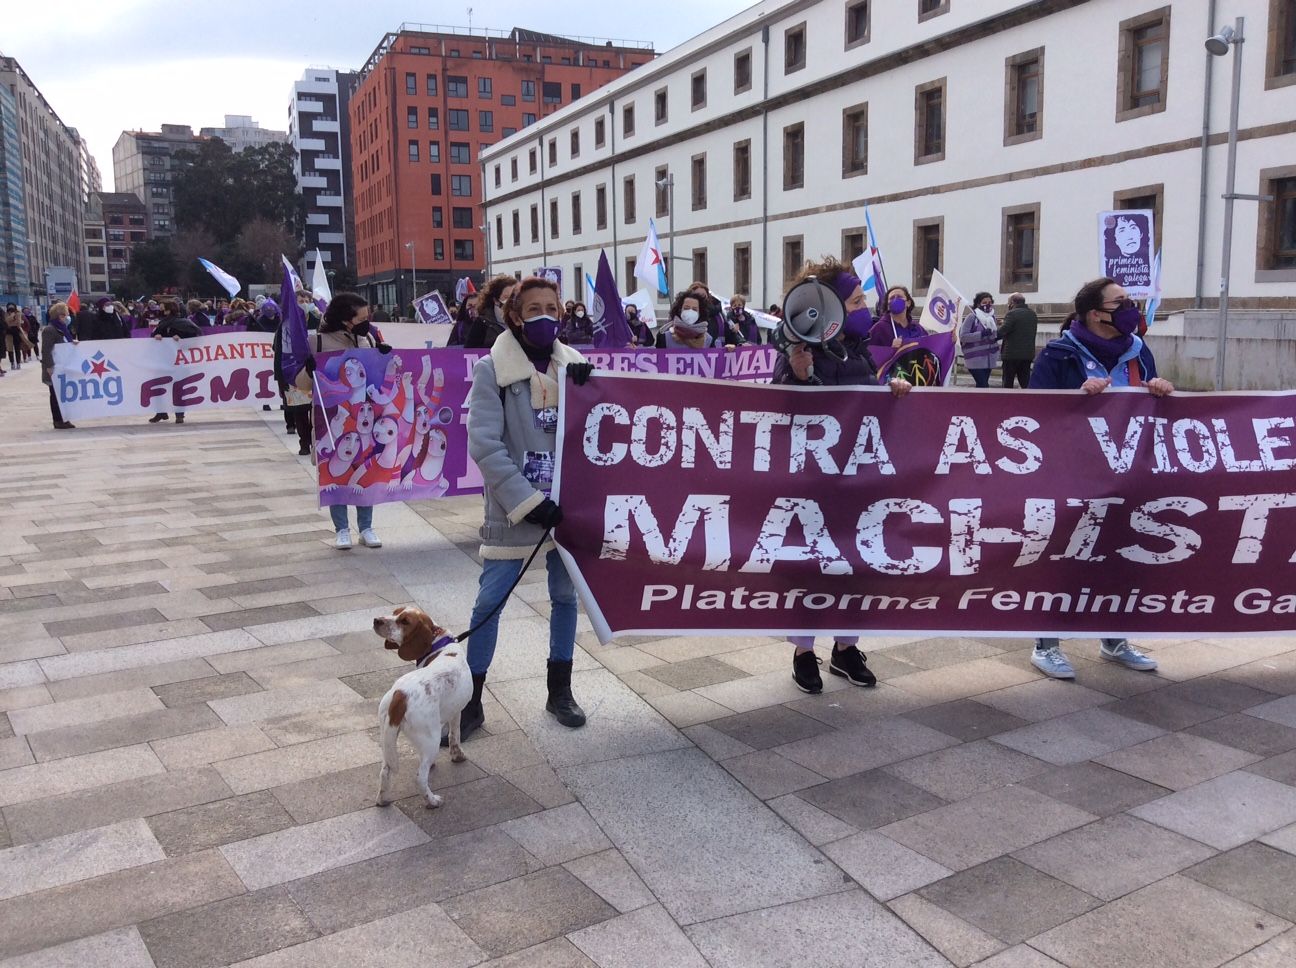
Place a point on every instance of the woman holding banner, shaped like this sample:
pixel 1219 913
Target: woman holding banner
pixel 1098 349
pixel 56 331
pixel 512 426
pixel 825 290
pixel 688 329
pixel 175 325
pixel 896 323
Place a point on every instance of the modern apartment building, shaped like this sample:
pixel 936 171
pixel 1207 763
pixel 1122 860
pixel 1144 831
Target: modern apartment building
pixel 50 157
pixel 144 162
pixel 984 137
pixel 319 127
pixel 241 132
pixel 427 102
pixel 122 220
pixel 15 278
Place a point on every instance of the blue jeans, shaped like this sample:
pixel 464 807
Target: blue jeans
pixel 1043 644
pixel 807 641
pixel 980 377
pixel 364 517
pixel 496 576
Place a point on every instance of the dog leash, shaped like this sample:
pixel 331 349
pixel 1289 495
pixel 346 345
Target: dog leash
pixel 445 640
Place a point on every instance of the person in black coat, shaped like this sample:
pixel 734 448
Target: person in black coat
pixel 175 325
pixel 843 360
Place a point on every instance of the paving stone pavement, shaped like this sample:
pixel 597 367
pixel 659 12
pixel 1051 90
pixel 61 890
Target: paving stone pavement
pixel 188 760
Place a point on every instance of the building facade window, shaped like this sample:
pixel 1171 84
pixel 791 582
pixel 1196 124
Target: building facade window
pixel 1276 236
pixel 532 163
pixel 438 217
pixel 855 141
pixel 698 89
pixel 551 92
pixel 700 265
pixel 463 250
pixel 461 218
pixel 575 91
pixel 575 142
pixel 928 251
pixel 456 86
pixel 630 283
pixel 411 83
pixel 794 156
pixel 742 170
pixel 1280 54
pixel 461 185
pixel 553 152
pixel 600 207
pixel 498 177
pixel 438 250
pixel 698 178
pixel 628 199
pixel 434 151
pixel 661 191
pixel 513 169
pixel 742 71
pixel 929 122
pixel 460 153
pixel 1019 259
pixel 661 106
pixel 431 85
pixel 499 232
pixel 517 233
pixel 859 22
pixel 434 186
pixel 600 132
pixel 1143 65
pixel 433 119
pixel 932 8
pixel 794 48
pixel 528 90
pixel 485 90
pixel 528 119
pixel 576 213
pixel 1144 198
pixel 742 268
pixel 458 121
pixel 627 120
pixel 553 218
pixel 793 258
pixel 852 244
pixel 508 100
pixel 535 223
pixel 413 151
pixel 411 118
pixel 1024 97
pixel 486 121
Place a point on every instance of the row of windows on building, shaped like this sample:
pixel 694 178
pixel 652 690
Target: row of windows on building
pixel 580 60
pixel 1142 84
pixel 456 86
pixel 1019 237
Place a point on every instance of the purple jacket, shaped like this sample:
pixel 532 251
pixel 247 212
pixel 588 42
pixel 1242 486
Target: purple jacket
pixel 884 332
pixel 843 362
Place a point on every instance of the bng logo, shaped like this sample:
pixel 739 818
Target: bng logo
pixel 102 381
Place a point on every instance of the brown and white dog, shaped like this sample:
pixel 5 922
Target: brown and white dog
pixel 424 701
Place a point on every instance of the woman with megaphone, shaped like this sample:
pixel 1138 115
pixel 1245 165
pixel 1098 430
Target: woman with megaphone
pixel 824 339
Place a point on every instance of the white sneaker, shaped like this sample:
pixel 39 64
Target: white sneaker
pixel 343 542
pixel 370 538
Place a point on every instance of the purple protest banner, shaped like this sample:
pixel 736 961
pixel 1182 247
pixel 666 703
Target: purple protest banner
pixel 925 362
pixel 705 508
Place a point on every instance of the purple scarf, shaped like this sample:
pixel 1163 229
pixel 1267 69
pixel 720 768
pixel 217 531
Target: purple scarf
pixel 1106 351
pixel 61 325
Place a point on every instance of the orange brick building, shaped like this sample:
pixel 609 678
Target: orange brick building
pixel 424 105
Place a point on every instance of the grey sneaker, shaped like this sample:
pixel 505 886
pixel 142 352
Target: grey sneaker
pixel 1052 663
pixel 1128 656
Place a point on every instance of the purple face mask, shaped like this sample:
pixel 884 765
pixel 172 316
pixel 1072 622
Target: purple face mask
pixel 1126 317
pixel 897 305
pixel 540 331
pixel 859 322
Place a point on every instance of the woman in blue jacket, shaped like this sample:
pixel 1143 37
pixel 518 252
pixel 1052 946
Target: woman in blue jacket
pixel 1098 349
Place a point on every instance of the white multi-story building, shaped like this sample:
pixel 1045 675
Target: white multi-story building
pixel 319 129
pixel 241 132
pixel 984 136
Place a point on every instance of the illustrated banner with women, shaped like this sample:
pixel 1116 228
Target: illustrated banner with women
pixel 697 507
pixel 395 427
pixel 108 378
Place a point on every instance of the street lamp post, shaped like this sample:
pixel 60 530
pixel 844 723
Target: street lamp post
pixel 1219 45
pixel 413 272
pixel 668 183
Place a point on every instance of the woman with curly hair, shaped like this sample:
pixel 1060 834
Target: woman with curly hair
pixel 490 322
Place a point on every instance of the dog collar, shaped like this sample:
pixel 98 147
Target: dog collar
pixel 430 654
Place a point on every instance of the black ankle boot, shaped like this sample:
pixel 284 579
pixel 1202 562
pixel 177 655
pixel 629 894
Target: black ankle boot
pixel 561 703
pixel 471 716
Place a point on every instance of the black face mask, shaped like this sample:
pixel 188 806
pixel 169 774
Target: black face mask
pixel 360 329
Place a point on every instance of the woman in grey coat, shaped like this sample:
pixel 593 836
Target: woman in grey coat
pixel 512 428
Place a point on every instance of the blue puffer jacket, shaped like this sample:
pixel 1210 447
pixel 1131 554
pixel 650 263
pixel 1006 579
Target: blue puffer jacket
pixel 1065 363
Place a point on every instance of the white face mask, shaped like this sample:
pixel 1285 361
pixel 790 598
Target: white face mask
pixel 689 317
pixel 499 315
pixel 110 308
pixel 580 314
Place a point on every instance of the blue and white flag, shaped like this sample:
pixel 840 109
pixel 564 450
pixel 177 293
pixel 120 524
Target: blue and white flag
pixel 651 264
pixel 1154 297
pixel 228 282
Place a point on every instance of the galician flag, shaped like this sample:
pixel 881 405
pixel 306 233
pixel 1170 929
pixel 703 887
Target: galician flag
pixel 651 265
pixel 228 282
pixel 319 281
pixel 611 331
pixel 1154 297
pixel 464 288
pixel 868 264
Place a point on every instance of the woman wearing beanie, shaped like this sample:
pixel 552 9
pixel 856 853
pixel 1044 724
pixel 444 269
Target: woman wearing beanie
pixel 512 427
pixel 841 361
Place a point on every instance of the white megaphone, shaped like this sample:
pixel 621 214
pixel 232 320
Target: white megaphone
pixel 812 313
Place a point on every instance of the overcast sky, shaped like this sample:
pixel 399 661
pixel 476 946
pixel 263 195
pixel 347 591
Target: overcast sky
pixel 112 65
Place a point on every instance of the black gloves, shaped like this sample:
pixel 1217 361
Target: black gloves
pixel 546 514
pixel 580 372
pixel 309 365
pixel 384 348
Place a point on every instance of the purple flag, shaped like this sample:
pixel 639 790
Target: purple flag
pixel 611 331
pixel 295 341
